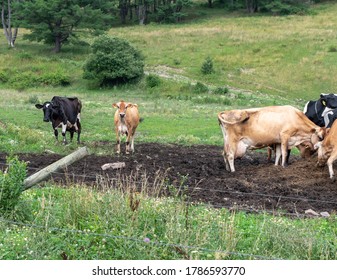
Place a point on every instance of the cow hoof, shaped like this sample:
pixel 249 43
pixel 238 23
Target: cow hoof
pixel 333 179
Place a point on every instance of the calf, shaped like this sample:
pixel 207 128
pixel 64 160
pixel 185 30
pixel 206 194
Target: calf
pixel 63 112
pixel 126 120
pixel 261 127
pixel 327 149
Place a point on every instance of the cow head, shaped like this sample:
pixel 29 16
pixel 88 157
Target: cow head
pixel 318 134
pixel 329 100
pixel 307 149
pixel 323 153
pixel 50 109
pixel 47 108
pixel 122 107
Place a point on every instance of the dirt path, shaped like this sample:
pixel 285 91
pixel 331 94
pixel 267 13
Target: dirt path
pixel 256 185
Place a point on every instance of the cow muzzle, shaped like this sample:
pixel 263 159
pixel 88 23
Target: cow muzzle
pixel 122 115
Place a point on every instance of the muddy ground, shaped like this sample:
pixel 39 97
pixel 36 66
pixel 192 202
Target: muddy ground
pixel 256 185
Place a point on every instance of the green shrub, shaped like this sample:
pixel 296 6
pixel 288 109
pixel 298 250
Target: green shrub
pixel 4 77
pixel 152 81
pixel 200 88
pixel 11 184
pixel 33 99
pixel 54 79
pixel 113 61
pixel 207 66
pixel 332 49
pixel 221 90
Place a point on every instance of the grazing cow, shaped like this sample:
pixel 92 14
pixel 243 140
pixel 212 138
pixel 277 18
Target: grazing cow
pixel 63 112
pixel 327 149
pixel 262 127
pixel 320 111
pixel 126 121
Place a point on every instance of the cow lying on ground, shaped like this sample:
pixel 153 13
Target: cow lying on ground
pixel 126 121
pixel 261 127
pixel 63 112
pixel 327 149
pixel 321 111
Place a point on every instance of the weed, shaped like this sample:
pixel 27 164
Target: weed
pixel 11 184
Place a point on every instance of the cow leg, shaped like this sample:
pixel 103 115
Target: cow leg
pixel 228 156
pixel 132 143
pixel 128 141
pixel 64 129
pixel 71 135
pixel 277 154
pixel 230 159
pixel 56 133
pixel 226 161
pixel 118 142
pixel 284 152
pixel 329 163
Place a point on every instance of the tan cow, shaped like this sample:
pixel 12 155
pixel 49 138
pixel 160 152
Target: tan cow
pixel 327 149
pixel 126 121
pixel 262 127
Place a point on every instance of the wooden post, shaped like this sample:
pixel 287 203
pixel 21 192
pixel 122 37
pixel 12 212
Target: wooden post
pixel 44 173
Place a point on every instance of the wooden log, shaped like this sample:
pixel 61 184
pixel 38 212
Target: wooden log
pixel 44 173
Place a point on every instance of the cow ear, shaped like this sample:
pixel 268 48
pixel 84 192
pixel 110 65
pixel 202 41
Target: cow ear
pixel 135 105
pixel 115 105
pixel 38 106
pixel 327 130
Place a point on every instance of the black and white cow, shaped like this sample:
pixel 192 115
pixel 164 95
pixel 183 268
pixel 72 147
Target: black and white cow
pixel 63 112
pixel 321 111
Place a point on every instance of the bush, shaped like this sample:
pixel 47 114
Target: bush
pixel 113 61
pixel 200 88
pixel 11 184
pixel 33 77
pixel 221 90
pixel 152 81
pixel 207 66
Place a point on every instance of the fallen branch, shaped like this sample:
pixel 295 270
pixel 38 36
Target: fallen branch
pixel 44 173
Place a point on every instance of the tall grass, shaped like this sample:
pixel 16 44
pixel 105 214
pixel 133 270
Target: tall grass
pixel 121 219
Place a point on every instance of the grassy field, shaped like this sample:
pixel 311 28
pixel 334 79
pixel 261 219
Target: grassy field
pixel 261 60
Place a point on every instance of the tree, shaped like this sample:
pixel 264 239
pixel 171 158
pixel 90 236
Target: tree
pixel 57 21
pixel 113 61
pixel 6 18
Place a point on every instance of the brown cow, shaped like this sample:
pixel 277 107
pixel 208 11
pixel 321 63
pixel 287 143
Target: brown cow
pixel 327 149
pixel 261 127
pixel 126 121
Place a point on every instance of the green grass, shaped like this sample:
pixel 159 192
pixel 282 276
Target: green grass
pixel 79 223
pixel 262 60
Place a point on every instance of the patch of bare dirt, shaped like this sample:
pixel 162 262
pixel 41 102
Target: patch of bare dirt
pixel 256 185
